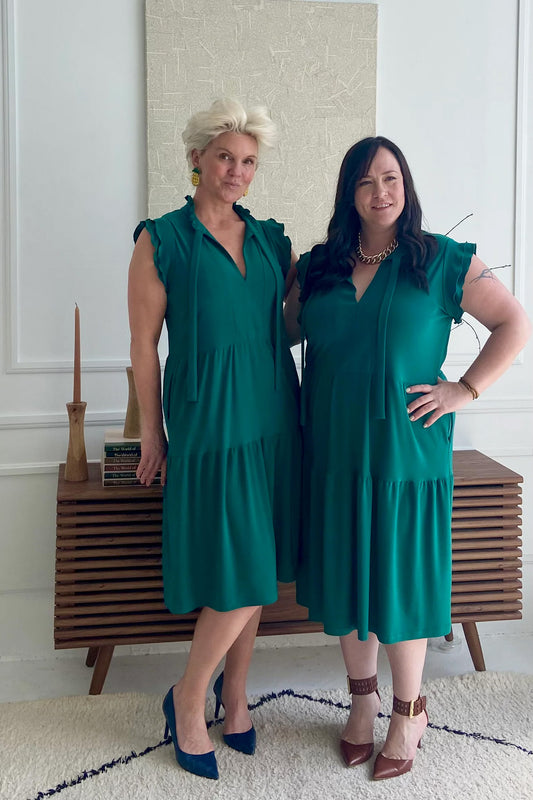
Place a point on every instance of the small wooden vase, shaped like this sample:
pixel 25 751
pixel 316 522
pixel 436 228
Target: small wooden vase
pixel 76 466
pixel 132 424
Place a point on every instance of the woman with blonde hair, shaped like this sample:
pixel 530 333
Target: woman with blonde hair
pixel 217 277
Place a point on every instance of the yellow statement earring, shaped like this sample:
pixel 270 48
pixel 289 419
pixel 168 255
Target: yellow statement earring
pixel 195 177
pixel 245 193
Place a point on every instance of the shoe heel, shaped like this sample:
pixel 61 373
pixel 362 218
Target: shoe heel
pixel 242 742
pixel 217 691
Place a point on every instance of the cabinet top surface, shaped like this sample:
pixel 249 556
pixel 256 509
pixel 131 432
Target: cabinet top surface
pixel 92 488
pixel 470 467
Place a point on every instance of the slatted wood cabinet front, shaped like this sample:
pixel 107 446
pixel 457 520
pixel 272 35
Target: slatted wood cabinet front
pixel 109 587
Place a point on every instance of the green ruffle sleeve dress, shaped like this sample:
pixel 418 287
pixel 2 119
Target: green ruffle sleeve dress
pixel 377 488
pixel 231 507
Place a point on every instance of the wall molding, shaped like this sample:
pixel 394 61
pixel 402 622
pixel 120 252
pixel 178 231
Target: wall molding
pixel 11 231
pixel 523 66
pixel 112 419
pixel 510 405
pixel 25 469
pixel 9 190
pixel 92 419
pixel 19 470
pixel 503 452
pixel 89 365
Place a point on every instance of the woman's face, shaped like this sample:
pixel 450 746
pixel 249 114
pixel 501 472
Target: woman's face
pixel 379 195
pixel 227 166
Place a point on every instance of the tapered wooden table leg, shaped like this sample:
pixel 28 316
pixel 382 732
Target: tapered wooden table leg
pixel 103 659
pixel 92 655
pixel 474 645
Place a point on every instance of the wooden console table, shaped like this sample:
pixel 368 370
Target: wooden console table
pixel 109 589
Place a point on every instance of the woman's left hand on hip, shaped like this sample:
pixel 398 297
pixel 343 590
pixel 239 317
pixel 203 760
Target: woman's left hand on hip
pixel 436 400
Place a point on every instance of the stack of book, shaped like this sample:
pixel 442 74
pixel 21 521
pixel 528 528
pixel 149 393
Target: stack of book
pixel 120 459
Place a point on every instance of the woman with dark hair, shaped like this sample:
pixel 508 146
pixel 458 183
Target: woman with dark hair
pixel 377 301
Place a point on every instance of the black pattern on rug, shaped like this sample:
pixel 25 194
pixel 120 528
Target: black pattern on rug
pixel 263 700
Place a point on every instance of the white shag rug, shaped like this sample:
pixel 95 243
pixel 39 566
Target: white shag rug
pixel 479 746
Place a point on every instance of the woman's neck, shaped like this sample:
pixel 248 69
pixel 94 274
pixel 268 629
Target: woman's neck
pixel 375 241
pixel 211 211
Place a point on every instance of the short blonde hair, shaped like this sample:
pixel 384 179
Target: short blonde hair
pixel 225 115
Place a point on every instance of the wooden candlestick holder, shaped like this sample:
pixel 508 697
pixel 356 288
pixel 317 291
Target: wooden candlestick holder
pixel 76 466
pixel 132 424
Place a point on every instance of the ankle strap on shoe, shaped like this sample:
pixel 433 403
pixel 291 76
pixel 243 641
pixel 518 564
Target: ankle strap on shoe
pixel 409 708
pixel 362 685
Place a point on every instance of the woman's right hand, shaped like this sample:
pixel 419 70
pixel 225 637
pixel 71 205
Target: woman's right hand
pixel 153 458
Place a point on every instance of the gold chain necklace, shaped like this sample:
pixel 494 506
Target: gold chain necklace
pixel 379 257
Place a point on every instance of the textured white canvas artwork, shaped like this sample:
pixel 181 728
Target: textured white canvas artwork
pixel 312 64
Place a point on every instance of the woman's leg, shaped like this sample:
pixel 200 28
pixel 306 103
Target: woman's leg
pixel 214 634
pixel 361 659
pixel 238 657
pixel 407 664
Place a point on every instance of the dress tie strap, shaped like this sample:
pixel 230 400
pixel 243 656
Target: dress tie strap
pixel 279 284
pixel 192 359
pixel 381 339
pixel 303 382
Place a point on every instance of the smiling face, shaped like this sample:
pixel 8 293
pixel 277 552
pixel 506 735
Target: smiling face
pixel 379 195
pixel 227 166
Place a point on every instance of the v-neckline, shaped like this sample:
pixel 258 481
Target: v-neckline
pixel 389 261
pixel 358 296
pixel 244 276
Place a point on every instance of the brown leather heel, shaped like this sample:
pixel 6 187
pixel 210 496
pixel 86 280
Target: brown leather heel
pixel 354 754
pixel 393 767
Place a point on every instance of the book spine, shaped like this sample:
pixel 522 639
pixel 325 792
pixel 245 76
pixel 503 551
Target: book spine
pixel 120 450
pixel 128 466
pixel 117 460
pixel 128 482
pixel 129 473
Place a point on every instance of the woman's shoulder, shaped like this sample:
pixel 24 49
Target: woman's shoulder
pixel 170 224
pixel 445 242
pixel 450 250
pixel 178 217
pixel 302 265
pixel 270 226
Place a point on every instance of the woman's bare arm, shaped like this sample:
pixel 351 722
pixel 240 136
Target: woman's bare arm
pixel 147 301
pixel 488 301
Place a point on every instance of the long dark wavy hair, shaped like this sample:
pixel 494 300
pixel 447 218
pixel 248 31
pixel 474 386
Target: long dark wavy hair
pixel 333 260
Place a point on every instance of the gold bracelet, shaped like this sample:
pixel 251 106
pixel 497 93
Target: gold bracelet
pixel 473 392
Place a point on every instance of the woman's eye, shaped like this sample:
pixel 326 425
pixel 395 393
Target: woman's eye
pixel 364 183
pixel 391 177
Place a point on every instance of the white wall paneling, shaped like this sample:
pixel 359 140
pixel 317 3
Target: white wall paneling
pixel 68 220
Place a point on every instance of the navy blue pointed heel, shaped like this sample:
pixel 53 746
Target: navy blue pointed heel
pixel 243 742
pixel 204 764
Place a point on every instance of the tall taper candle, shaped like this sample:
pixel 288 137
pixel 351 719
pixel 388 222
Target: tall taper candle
pixel 77 362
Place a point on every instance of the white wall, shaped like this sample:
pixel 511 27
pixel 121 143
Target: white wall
pixel 452 91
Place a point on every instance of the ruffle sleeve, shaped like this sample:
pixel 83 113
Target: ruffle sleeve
pixel 455 263
pixel 302 265
pixel 280 243
pixel 161 260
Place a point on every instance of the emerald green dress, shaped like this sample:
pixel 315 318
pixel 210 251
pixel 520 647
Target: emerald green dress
pixel 231 506
pixel 377 488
